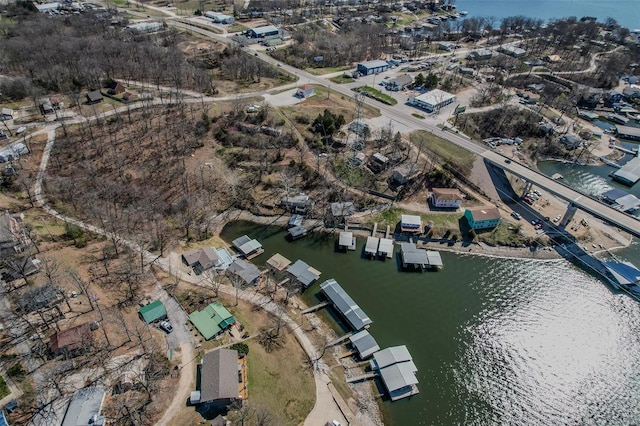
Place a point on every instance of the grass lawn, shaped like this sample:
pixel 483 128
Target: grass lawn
pixel 441 221
pixel 236 28
pixel 342 79
pixel 376 94
pixel 444 149
pixel 280 381
pixel 4 389
pixel 502 235
pixel 416 115
pixel 328 70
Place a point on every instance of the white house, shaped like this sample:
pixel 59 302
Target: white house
pixel 447 198
pixel 432 100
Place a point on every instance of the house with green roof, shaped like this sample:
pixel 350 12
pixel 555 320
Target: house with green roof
pixel 212 320
pixel 152 312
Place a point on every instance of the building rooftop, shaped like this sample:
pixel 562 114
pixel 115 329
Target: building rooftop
pixel 435 97
pixel 245 270
pixel 364 343
pixel 71 339
pixel 372 245
pixel 304 273
pixel 413 255
pixel 278 261
pixel 624 273
pixel 246 245
pixel 447 193
pixel 434 258
pixel 630 172
pixel 376 63
pixel 386 246
pixel 345 304
pixel 203 256
pixel 211 320
pixel 84 408
pixel 153 311
pixel 409 220
pixel 484 213
pixel 346 238
pixel 342 209
pixel 219 375
pixel 399 378
pixel 628 130
pixel 265 29
pixel 390 356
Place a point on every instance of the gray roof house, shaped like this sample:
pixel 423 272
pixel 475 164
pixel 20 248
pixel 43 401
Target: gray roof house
pixel 84 408
pixel 300 203
pixel 343 209
pixel 400 82
pixel 94 97
pixel 247 271
pixel 201 259
pixel 354 315
pixel 219 377
pixel 6 114
pixel 570 141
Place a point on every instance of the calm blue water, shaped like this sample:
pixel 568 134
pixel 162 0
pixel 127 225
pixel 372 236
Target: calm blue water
pixel 626 12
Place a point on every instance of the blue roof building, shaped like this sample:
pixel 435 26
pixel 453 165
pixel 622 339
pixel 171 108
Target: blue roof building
pixel 372 67
pixel 262 32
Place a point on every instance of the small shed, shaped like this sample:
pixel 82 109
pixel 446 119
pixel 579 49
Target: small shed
pixel 295 220
pixel 154 311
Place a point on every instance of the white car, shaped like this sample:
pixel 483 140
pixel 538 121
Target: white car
pixel 166 326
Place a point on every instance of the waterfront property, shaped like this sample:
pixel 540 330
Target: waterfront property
pixel 482 217
pixel 446 198
pixel 629 174
pixel 278 262
pixel 590 116
pixel 372 67
pixel 304 273
pixel 206 258
pixel 297 232
pixel 364 344
pixel 154 311
pixel 340 211
pixel 346 241
pixel 246 271
pixel 385 249
pixel 433 100
pixel 300 203
pixel 621 200
pixel 219 379
pixel 411 223
pixel 248 247
pixel 628 132
pixel 345 305
pixel 295 220
pixel 434 260
pixel 397 370
pixel 371 248
pixel 413 256
pixel 212 320
pixel 85 408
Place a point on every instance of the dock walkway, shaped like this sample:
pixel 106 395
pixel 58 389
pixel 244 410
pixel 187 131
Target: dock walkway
pixel 362 377
pixel 315 308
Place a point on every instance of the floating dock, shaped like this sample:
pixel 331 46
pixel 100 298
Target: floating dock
pixel 629 174
pixel 371 248
pixel 385 249
pixel 347 241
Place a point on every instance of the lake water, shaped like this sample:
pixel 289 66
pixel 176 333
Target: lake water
pixel 626 12
pixel 496 341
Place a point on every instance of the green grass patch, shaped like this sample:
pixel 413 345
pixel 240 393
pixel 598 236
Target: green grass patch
pixel 353 176
pixel 328 70
pixel 441 221
pixel 444 149
pixel 202 27
pixel 342 79
pixel 376 94
pixel 416 115
pixel 287 389
pixel 505 234
pixel 236 28
pixel 4 388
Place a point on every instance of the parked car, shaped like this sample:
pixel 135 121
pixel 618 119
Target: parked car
pixel 166 326
pixel 516 215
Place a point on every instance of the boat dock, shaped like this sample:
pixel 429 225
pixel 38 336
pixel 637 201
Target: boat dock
pixel 385 248
pixel 315 308
pixel 628 174
pixel 362 377
pixel 340 339
pixel 371 249
pixel 611 163
pixel 346 240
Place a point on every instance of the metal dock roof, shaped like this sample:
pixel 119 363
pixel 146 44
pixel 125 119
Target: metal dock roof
pixel 390 356
pixel 345 304
pixel 386 247
pixel 364 343
pixel 372 245
pixel 303 272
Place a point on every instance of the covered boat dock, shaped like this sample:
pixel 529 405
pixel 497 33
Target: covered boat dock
pixel 346 241
pixel 345 305
pixel 371 249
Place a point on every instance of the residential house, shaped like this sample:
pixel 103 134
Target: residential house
pixel 513 51
pixel 410 223
pixel 447 198
pixel 154 311
pixel 480 54
pixel 404 173
pixel 482 217
pixel 71 342
pixel 612 96
pixel 399 83
pixel 372 67
pixel 13 239
pixel 631 93
pixel 206 258
pixel 94 97
pixel 300 203
pixel 219 379
pixel 466 71
pixel 340 211
pixel 46 107
pixel 85 408
pixel 552 58
pixel 6 114
pixel 129 97
pixel 39 298
pixel 445 45
pixel 212 320
pixel 305 91
pixel 246 271
pixel 115 88
pixel 536 87
pixel 13 152
pixel 248 247
pixel 570 141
